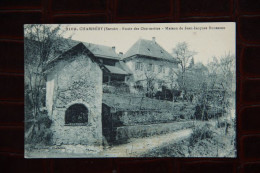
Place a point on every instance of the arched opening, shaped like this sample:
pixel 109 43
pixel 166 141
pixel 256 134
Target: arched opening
pixel 76 114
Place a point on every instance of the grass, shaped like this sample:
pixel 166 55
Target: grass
pixel 207 140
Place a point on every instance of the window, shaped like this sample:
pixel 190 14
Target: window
pixel 160 84
pixel 150 67
pixel 160 69
pixel 138 66
pixel 76 114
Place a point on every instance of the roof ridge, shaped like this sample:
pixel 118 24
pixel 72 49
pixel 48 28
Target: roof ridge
pixel 84 42
pixel 138 51
pixel 164 49
pixel 149 48
pixel 144 39
pixel 102 50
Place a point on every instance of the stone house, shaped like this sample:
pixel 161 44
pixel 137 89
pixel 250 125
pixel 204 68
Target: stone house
pixel 149 62
pixel 74 97
pixel 74 87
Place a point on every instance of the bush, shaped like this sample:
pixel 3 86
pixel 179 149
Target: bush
pixel 46 121
pixel 198 114
pixel 39 130
pixel 209 112
pixel 201 133
pixel 116 87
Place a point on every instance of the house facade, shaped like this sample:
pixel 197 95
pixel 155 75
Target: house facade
pixel 107 56
pixel 151 65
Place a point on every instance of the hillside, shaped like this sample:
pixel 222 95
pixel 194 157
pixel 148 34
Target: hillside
pixel 137 102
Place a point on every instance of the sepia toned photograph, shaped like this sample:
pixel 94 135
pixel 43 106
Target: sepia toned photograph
pixel 130 90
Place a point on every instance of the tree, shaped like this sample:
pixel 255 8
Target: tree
pixel 150 78
pixel 191 63
pixel 185 57
pixel 226 79
pixel 172 81
pixel 217 87
pixel 41 44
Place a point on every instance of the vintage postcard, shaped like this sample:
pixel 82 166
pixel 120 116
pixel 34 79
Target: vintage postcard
pixel 130 90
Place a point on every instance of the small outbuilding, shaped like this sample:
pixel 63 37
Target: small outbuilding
pixel 74 97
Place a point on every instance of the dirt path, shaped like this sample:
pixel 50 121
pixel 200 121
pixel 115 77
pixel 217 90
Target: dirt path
pixel 137 147
pixel 134 148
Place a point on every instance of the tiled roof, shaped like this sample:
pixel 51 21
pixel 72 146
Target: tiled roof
pixel 115 70
pixel 96 49
pixel 70 51
pixel 149 48
pixel 123 66
pixel 102 51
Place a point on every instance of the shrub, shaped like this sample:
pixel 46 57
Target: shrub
pixel 38 131
pixel 201 133
pixel 198 114
pixel 116 87
pixel 106 89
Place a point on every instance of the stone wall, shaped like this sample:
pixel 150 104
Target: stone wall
pixel 177 111
pixel 139 131
pixel 77 80
pixel 145 123
pixel 129 118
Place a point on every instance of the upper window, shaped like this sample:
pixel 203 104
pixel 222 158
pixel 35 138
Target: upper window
pixel 76 114
pixel 160 69
pixel 150 67
pixel 138 66
pixel 163 69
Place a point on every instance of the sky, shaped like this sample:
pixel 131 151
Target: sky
pixel 203 38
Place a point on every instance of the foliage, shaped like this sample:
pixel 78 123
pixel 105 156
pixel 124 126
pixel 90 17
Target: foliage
pixel 209 86
pixel 200 133
pixel 206 140
pixel 38 130
pixel 150 78
pixel 138 86
pixel 185 56
pixel 41 44
pixel 116 87
pixel 212 86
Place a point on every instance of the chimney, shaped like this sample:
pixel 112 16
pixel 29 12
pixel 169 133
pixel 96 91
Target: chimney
pixel 120 54
pixel 113 48
pixel 153 39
